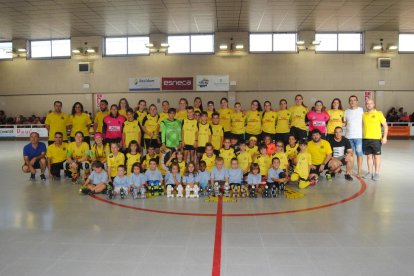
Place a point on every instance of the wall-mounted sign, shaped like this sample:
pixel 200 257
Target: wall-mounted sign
pixel 212 83
pixel 185 83
pixel 145 83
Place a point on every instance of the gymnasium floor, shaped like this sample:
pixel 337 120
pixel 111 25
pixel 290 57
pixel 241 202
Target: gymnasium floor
pixel 337 228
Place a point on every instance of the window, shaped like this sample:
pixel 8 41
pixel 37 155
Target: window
pixel 119 46
pixel 339 42
pixel 406 43
pixel 6 50
pixel 181 44
pixel 277 42
pixel 50 48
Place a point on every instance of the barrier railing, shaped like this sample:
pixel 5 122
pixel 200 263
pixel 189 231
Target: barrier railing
pixel 400 129
pixel 21 131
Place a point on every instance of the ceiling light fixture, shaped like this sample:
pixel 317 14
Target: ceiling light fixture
pixel 300 42
pixel 164 45
pixel 239 46
pixel 392 47
pixel 149 45
pixel 316 43
pixel 223 47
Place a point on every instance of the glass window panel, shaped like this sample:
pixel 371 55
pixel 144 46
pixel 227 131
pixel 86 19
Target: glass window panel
pixel 136 45
pixel 40 49
pixel 116 46
pixel 179 44
pixel 260 43
pixel 202 43
pixel 350 42
pixel 6 49
pixel 328 42
pixel 284 42
pixel 406 43
pixel 61 48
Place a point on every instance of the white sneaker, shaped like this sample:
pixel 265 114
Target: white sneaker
pixel 376 177
pixel 368 175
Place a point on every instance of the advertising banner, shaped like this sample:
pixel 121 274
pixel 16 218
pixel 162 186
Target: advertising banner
pixel 7 132
pixel 212 83
pixel 25 132
pixel 145 84
pixel 185 83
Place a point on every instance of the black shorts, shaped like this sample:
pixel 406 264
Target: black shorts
pixel 316 170
pixel 227 134
pixel 151 143
pixel 201 149
pixel 188 147
pixel 284 137
pixel 240 137
pixel 55 168
pixel 371 146
pixel 298 133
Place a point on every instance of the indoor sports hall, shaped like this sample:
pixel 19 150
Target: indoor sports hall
pixel 206 137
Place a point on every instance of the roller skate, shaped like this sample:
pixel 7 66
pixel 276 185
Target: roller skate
pixel 265 193
pixel 227 189
pixel 160 190
pixel 201 192
pixel 142 192
pixel 84 190
pixel 122 193
pixel 110 192
pixel 134 193
pixel 216 189
pixel 209 190
pixel 152 190
pixel 274 191
pixel 252 192
pixel 243 191
pixel 196 191
pixel 180 190
pixel 170 190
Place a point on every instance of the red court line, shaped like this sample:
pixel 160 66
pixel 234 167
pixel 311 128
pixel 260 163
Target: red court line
pixel 357 194
pixel 217 242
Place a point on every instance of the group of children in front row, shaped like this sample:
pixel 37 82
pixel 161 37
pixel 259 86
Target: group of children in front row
pixel 272 168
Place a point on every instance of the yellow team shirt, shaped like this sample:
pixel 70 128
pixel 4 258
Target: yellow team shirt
pixel 79 123
pixel 217 133
pixel 99 116
pixel 209 115
pixel 303 164
pixel 76 152
pixel 115 161
pixel 56 154
pixel 238 120
pixel 284 163
pixel 372 124
pixel 151 124
pixel 264 163
pixel 254 151
pixel 225 117
pixel 336 117
pixel 244 159
pixel 131 159
pixel 204 134
pixel 269 122
pixel 282 121
pixel 297 116
pixel 182 165
pixel 210 161
pixel 141 116
pixel 189 131
pixel 227 155
pixel 57 123
pixel 181 115
pixel 132 132
pixel 163 116
pixel 122 112
pixel 292 152
pixel 319 151
pixel 99 153
pixel 147 158
pixel 253 122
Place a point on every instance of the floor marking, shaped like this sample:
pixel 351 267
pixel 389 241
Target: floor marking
pixel 217 241
pixel 361 190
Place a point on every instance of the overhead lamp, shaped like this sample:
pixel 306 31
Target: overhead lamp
pixel 85 50
pixel 239 46
pixel 316 43
pixel 76 51
pixel 149 45
pixel 90 50
pixel 300 42
pixel 21 50
pixel 377 47
pixel 164 45
pixel 392 47
pixel 223 47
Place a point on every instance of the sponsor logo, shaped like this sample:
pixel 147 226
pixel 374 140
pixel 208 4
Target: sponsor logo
pixel 203 83
pixel 177 83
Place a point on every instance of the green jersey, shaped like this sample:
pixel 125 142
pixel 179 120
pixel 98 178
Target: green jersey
pixel 171 133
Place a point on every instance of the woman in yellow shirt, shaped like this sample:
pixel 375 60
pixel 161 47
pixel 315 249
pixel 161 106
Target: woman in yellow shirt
pixel 123 106
pixel 336 117
pixel 225 117
pixel 79 121
pixel 268 121
pixel 282 122
pixel 297 118
pixel 254 120
pixel 77 157
pixel 237 121
pixel 210 110
pixel 182 109
pixel 198 104
pixel 141 111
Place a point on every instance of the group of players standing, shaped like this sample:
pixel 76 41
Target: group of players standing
pixel 232 145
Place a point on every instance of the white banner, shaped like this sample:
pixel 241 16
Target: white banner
pixel 25 132
pixel 145 83
pixel 7 132
pixel 212 83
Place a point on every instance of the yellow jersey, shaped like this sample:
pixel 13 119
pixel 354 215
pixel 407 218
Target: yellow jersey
pixel 122 112
pixel 244 159
pixel 189 131
pixel 131 159
pixel 210 161
pixel 238 120
pixel 115 161
pixel 253 122
pixel 140 116
pixel 254 151
pixel 264 162
pixel 132 131
pixel 163 116
pixel 151 124
pixel 181 115
pixel 227 155
pixel 291 152
pixel 204 134
pixel 57 123
pixel 99 153
pixel 182 165
pixel 217 134
pixel 282 121
pixel 79 123
pixel 283 158
pixel 336 118
pixel 99 116
pixel 303 165
pixel 209 115
pixel 297 116
pixel 76 152
pixel 56 154
pixel 225 116
pixel 269 122
pixel 371 122
pixel 319 151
